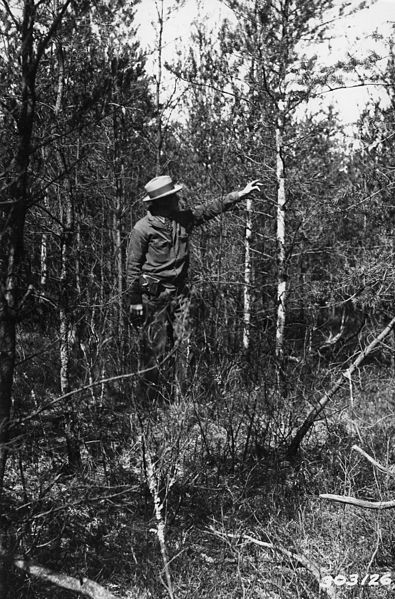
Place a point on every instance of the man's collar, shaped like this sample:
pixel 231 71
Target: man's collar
pixel 156 220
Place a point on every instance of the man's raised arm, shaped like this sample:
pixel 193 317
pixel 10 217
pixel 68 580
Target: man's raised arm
pixel 203 213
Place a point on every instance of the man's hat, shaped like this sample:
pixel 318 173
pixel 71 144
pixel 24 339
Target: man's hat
pixel 160 187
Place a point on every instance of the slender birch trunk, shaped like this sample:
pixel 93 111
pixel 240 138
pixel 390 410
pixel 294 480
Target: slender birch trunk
pixel 247 278
pixel 44 255
pixel 117 237
pixel 78 286
pixel 70 426
pixel 43 260
pixel 159 142
pixel 67 218
pixel 117 228
pixel 281 267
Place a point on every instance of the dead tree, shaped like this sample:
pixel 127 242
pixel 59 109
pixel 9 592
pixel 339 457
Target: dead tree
pixel 344 376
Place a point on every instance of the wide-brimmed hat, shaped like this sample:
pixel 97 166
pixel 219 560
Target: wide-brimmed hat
pixel 160 187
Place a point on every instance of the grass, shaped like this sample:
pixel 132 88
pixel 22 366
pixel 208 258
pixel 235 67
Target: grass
pixel 221 483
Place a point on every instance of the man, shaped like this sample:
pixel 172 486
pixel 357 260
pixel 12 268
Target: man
pixel 157 270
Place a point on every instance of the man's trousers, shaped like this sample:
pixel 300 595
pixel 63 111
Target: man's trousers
pixel 164 348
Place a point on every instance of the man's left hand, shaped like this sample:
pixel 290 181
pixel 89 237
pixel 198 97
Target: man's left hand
pixel 250 187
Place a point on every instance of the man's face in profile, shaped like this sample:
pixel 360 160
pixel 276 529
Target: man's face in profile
pixel 165 206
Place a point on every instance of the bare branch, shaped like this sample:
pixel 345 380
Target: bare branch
pixel 309 421
pixel 369 505
pixel 390 470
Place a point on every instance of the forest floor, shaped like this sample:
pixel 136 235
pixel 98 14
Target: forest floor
pixel 241 520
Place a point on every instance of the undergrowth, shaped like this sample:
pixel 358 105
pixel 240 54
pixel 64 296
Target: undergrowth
pixel 224 487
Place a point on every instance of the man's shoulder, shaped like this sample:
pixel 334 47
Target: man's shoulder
pixel 142 225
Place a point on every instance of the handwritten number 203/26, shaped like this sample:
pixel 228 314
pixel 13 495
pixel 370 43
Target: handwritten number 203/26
pixel 356 579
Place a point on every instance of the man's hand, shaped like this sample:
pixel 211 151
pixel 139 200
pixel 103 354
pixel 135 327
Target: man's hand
pixel 136 312
pixel 250 187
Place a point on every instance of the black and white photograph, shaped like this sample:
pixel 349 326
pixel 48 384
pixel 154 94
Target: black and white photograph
pixel 197 299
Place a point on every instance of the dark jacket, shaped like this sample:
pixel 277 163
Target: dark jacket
pixel 160 247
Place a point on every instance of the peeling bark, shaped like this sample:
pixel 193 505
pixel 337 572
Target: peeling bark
pixel 247 278
pixel 281 279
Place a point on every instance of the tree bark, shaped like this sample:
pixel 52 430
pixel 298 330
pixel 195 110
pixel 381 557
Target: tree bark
pixel 67 219
pixel 119 177
pixel 72 442
pixel 281 266
pixel 11 240
pixel 159 112
pixel 247 278
pixel 7 361
pixel 11 247
pixel 12 230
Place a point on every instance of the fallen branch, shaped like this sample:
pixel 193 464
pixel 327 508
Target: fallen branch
pixel 390 470
pixel 311 566
pixel 370 505
pixel 83 586
pixel 307 424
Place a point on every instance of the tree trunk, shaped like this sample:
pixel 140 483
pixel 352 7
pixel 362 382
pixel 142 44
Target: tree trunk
pixel 159 113
pixel 11 246
pixel 67 219
pixel 79 219
pixel 117 238
pixel 247 278
pixel 12 233
pixel 72 441
pixel 10 258
pixel 7 361
pixel 11 239
pixel 44 257
pixel 281 267
pixel 119 177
